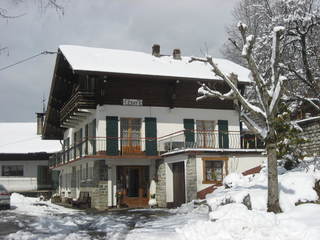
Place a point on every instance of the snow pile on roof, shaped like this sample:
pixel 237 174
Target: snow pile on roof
pixel 132 62
pixel 22 138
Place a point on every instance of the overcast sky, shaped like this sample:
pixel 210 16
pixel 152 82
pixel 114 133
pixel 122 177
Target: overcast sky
pixel 121 24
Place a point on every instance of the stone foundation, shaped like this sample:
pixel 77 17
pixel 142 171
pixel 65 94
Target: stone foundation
pixel 99 196
pixel 161 183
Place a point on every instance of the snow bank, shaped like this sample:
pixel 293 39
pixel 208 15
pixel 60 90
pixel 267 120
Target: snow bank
pixel 235 221
pixel 295 186
pixel 35 207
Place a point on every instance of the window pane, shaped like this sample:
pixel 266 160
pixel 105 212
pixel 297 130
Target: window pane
pixel 205 134
pixel 12 170
pixel 213 170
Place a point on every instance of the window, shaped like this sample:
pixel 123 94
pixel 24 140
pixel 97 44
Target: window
pixel 131 135
pixel 12 171
pixel 213 169
pixel 205 134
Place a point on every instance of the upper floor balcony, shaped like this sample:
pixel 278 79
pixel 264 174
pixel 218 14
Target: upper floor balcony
pixel 137 147
pixel 75 109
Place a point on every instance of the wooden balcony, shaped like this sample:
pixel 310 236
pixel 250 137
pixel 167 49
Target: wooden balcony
pixel 172 143
pixel 76 108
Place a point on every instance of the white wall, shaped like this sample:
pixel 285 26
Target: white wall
pixel 237 163
pixel 27 182
pixel 168 120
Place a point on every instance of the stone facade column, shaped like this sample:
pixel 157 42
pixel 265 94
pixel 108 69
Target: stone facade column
pixel 191 178
pixel 99 194
pixel 161 183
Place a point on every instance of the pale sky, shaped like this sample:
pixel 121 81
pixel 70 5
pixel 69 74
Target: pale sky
pixel 190 25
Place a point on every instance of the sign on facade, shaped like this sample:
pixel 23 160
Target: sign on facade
pixel 132 102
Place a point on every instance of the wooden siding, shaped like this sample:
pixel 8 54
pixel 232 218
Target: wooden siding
pixel 161 93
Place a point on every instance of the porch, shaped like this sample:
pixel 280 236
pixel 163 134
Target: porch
pixel 153 148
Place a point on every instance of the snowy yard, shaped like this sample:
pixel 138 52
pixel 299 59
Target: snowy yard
pixel 30 218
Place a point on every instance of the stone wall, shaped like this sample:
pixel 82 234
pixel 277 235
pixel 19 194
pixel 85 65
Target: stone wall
pixel 311 131
pixel 161 183
pixel 99 196
pixel 191 178
pixel 98 187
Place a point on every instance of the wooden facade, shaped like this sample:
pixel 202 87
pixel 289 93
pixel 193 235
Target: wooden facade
pixel 74 91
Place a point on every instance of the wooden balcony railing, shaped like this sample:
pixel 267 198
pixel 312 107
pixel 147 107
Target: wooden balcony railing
pixel 201 140
pixel 80 100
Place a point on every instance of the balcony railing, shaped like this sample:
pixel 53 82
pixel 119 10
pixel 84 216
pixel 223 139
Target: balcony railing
pixel 201 140
pixel 80 100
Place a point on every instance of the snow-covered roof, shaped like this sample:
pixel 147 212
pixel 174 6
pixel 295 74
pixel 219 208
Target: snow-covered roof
pixel 22 138
pixel 131 62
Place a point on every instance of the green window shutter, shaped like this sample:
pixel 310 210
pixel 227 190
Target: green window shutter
pixel 80 142
pixel 151 136
pixel 94 135
pixel 223 134
pixel 189 132
pixel 112 136
pixel 55 179
pixel 74 146
pixel 43 177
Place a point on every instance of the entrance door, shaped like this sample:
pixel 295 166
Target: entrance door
pixel 133 184
pixel 179 195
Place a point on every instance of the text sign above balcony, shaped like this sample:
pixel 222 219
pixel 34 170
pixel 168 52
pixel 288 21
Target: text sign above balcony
pixel 132 102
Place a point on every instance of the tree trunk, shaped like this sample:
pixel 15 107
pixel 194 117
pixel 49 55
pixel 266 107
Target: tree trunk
pixel 273 190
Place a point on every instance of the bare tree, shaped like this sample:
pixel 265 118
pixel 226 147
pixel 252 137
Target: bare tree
pixel 301 45
pixel 42 4
pixel 269 90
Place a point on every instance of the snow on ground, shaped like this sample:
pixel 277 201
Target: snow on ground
pixel 36 219
pixel 235 221
pixel 296 185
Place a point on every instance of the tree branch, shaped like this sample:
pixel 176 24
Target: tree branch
pixel 248 106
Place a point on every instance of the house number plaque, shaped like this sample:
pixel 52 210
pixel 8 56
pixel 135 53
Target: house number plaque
pixel 132 102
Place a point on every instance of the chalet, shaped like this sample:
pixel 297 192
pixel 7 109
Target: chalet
pixel 24 158
pixel 129 118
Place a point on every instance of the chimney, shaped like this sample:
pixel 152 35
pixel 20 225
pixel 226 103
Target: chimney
pixel 176 54
pixel 40 122
pixel 156 50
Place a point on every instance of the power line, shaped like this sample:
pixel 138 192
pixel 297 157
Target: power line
pixel 27 59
